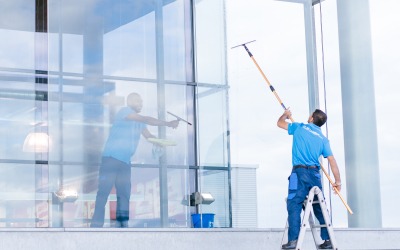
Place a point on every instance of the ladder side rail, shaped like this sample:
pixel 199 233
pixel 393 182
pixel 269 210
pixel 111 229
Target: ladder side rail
pixel 303 226
pixel 327 219
pixel 313 228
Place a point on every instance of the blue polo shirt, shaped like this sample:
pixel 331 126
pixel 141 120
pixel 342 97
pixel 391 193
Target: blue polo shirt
pixel 308 144
pixel 124 137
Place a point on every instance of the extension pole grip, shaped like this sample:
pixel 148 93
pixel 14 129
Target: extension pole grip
pixel 336 190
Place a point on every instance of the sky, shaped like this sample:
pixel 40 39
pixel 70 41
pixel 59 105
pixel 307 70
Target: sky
pixel 278 29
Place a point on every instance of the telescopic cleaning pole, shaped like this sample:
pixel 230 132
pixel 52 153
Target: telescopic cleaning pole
pixel 262 73
pixel 291 118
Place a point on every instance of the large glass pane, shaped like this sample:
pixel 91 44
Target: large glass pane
pixel 23 196
pixel 212 127
pixel 18 118
pixel 17 27
pixel 144 201
pixel 129 39
pixel 175 49
pixel 213 154
pixel 179 185
pixel 216 182
pixel 18 110
pixel 24 142
pixel 172 99
pixel 210 41
pixel 212 137
pixel 72 178
pixel 70 59
pixel 145 198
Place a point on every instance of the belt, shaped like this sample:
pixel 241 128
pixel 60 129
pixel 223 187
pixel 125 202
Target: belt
pixel 303 166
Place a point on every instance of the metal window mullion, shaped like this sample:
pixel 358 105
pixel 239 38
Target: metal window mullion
pixel 163 171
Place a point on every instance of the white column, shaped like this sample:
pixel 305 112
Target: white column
pixel 359 119
pixel 312 71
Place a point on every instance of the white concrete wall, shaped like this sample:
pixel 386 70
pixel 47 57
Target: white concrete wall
pixel 177 239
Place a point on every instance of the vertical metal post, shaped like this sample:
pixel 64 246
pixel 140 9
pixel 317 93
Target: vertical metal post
pixel 41 104
pixel 311 54
pixel 93 138
pixel 161 111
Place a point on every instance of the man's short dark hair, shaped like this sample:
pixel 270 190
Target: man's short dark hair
pixel 319 117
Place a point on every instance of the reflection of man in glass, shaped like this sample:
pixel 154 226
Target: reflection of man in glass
pixel 115 168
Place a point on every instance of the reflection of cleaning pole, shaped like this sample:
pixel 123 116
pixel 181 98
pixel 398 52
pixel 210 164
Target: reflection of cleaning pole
pixel 291 118
pixel 179 118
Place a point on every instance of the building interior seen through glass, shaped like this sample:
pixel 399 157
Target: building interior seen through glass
pixel 71 75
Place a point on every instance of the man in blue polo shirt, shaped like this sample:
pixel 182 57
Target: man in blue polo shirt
pixel 115 168
pixel 308 145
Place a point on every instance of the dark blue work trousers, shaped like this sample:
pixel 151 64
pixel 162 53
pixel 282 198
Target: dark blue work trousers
pixel 301 181
pixel 112 172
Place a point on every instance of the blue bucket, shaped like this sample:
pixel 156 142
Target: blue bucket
pixel 208 220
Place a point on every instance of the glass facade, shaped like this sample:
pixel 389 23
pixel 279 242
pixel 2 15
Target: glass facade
pixel 66 70
pixel 68 67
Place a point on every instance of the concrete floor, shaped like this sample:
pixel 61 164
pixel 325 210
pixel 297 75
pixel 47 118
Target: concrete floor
pixel 183 238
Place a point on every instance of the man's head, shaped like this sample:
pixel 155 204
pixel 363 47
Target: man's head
pixel 135 102
pixel 318 118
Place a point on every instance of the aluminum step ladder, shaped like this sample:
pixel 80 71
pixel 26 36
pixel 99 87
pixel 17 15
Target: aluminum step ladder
pixel 308 215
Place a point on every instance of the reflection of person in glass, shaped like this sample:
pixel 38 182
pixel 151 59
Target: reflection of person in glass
pixel 115 168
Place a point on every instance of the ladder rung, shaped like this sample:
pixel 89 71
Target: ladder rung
pixel 318 226
pixel 316 202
